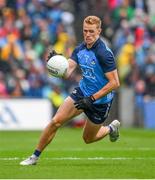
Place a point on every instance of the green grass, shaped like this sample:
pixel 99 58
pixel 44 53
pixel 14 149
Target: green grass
pixel 67 157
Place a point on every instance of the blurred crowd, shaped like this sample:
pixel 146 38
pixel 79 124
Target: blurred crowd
pixel 131 30
pixel 29 29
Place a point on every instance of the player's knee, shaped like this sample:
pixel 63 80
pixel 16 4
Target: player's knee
pixel 87 139
pixel 56 123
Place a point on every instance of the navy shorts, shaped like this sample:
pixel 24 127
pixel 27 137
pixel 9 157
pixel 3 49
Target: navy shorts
pixel 100 111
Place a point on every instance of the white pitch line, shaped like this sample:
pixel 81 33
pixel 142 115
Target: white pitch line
pixel 88 158
pixel 99 158
pixel 104 149
pixel 99 149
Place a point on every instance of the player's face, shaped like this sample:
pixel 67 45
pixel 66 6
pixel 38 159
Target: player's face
pixel 91 33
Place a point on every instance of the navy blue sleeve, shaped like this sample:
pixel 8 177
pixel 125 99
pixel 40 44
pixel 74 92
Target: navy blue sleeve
pixel 74 55
pixel 106 59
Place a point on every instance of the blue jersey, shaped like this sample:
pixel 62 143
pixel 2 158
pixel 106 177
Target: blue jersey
pixel 94 63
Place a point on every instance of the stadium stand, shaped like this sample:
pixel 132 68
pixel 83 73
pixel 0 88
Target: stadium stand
pixel 29 29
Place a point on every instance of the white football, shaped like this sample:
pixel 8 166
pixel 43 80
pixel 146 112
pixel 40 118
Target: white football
pixel 57 66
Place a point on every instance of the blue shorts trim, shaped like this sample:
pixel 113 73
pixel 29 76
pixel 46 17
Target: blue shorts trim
pixel 100 111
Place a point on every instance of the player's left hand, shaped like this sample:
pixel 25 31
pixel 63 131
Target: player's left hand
pixel 85 103
pixel 52 53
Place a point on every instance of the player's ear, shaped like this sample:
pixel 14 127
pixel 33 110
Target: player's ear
pixel 99 30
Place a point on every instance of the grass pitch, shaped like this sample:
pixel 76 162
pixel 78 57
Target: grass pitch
pixel 67 157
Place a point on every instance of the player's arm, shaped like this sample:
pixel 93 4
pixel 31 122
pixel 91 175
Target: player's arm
pixel 107 62
pixel 111 85
pixel 86 102
pixel 72 67
pixel 108 65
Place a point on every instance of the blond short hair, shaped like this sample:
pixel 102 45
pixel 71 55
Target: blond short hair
pixel 93 20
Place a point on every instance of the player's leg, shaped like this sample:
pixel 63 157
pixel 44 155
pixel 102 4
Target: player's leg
pixel 65 112
pixel 94 132
pixel 94 129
